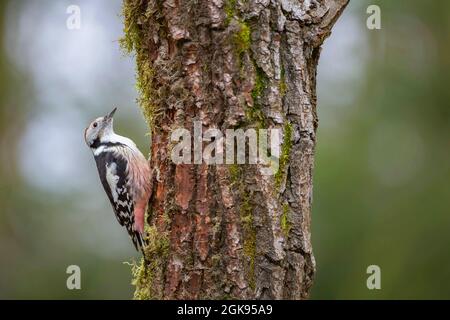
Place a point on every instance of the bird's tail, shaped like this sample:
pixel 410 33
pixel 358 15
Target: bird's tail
pixel 140 244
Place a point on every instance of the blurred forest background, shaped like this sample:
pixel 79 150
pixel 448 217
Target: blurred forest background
pixel 381 193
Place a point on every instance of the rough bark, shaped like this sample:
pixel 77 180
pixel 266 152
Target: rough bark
pixel 227 231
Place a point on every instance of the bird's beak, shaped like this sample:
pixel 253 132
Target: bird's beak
pixel 110 115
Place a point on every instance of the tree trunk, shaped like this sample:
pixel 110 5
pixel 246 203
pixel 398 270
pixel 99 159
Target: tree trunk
pixel 229 231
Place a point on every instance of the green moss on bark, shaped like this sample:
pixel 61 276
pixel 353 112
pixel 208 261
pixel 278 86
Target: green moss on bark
pixel 260 83
pixel 249 237
pixel 246 216
pixel 242 39
pixel 255 113
pixel 131 43
pixel 148 270
pixel 282 85
pixel 230 10
pixel 235 172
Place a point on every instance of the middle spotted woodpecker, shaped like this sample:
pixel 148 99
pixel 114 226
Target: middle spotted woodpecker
pixel 125 175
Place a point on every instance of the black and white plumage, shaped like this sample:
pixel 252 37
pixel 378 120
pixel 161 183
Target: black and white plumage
pixel 112 171
pixel 124 173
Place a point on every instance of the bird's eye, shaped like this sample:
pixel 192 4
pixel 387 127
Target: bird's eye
pixel 95 124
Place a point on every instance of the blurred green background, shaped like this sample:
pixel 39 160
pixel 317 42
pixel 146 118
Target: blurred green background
pixel 381 189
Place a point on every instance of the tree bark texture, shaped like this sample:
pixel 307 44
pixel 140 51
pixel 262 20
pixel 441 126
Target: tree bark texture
pixel 228 231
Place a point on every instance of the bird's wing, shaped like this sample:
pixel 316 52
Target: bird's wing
pixel 112 169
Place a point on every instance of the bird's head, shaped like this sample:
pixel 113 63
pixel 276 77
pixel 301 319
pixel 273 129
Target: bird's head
pixel 99 129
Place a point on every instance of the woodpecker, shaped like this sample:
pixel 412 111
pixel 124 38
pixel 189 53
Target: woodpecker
pixel 124 173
